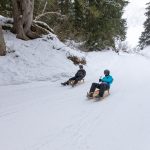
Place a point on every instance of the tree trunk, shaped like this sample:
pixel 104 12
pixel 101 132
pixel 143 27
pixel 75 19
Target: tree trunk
pixel 2 43
pixel 23 17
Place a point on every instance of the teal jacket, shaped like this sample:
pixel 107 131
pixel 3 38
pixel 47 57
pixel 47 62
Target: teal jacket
pixel 107 79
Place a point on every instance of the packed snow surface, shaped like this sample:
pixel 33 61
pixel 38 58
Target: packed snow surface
pixel 40 114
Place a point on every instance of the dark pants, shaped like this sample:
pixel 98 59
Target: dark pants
pixel 75 79
pixel 102 87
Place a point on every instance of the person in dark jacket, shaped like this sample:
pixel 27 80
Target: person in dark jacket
pixel 104 84
pixel 81 73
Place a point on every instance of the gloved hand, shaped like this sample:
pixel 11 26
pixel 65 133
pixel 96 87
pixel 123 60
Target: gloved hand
pixel 100 80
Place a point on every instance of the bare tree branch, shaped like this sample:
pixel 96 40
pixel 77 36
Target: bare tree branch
pixel 44 7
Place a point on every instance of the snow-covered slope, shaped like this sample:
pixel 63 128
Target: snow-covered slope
pixel 44 115
pixel 39 59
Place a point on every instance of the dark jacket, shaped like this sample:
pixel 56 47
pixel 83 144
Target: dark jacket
pixel 80 73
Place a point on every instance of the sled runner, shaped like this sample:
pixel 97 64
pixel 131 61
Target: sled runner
pixel 96 93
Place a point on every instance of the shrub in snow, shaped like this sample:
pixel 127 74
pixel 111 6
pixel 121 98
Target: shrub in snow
pixel 76 60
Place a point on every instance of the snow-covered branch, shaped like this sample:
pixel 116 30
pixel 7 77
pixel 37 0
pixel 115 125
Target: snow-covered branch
pixel 49 13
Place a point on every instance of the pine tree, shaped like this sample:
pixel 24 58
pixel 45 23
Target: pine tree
pixel 5 8
pixel 145 36
pixel 105 23
pixel 64 6
pixel 78 16
pixel 97 23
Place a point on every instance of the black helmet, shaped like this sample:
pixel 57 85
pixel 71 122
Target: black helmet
pixel 81 66
pixel 106 72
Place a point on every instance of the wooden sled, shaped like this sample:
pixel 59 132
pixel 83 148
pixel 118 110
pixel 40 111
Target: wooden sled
pixel 96 92
pixel 79 82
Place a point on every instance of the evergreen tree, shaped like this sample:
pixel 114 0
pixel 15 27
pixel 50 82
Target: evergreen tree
pixel 78 16
pixel 105 23
pixel 6 8
pixel 97 23
pixel 64 6
pixel 145 36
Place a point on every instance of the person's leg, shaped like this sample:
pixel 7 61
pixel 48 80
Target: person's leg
pixel 93 87
pixel 72 79
pixel 103 88
pixel 67 82
pixel 76 80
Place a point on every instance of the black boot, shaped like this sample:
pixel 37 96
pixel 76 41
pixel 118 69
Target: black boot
pixel 65 83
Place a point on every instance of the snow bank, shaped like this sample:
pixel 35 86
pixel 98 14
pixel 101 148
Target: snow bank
pixel 39 59
pixel 4 20
pixel 47 116
pixel 145 52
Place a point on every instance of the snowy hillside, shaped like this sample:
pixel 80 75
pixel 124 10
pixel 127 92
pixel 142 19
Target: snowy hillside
pixel 44 115
pixel 34 60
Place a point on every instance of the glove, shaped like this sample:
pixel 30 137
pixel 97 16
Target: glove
pixel 100 80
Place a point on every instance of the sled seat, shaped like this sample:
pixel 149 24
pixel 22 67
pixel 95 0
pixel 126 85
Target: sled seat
pixel 80 81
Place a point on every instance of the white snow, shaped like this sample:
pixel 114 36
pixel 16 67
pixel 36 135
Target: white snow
pixel 39 59
pixel 44 115
pixel 37 113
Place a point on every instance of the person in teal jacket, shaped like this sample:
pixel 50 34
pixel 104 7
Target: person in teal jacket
pixel 104 84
